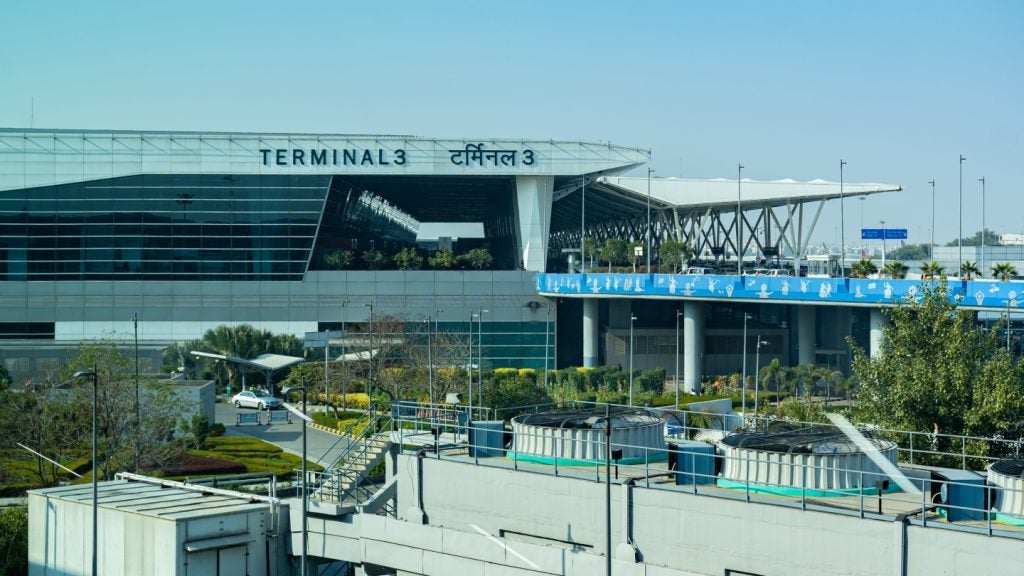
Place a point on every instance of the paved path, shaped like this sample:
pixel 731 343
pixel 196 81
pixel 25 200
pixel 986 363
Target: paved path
pixel 320 446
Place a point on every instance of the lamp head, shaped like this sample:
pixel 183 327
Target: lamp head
pixel 83 374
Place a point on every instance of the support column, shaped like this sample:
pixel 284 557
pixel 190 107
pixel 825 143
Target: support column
pixel 533 212
pixel 805 333
pixel 590 332
pixel 877 323
pixel 842 333
pixel 693 346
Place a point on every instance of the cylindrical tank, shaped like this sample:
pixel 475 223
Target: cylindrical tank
pixel 817 458
pixel 578 437
pixel 1008 475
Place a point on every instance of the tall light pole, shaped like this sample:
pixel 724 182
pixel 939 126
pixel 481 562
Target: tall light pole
pixel 678 314
pixel 469 363
pixel 931 246
pixel 430 364
pixel 583 224
pixel 480 355
pixel 757 372
pixel 739 219
pixel 95 471
pixel 547 332
pixel 369 380
pixel 305 501
pixel 960 235
pixel 842 215
pixel 632 319
pixel 743 380
pixel 138 410
pixel 649 231
pixel 344 351
pixel 883 243
pixel 982 180
pixel 862 199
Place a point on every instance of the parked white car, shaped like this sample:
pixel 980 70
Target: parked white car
pixel 258 400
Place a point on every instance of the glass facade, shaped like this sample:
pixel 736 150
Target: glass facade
pixel 162 227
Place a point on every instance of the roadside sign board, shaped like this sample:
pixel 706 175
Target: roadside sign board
pixel 321 339
pixel 876 233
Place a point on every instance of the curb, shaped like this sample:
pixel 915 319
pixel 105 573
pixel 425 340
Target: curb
pixel 323 428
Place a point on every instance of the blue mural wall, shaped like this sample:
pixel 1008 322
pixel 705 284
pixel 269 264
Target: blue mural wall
pixel 869 291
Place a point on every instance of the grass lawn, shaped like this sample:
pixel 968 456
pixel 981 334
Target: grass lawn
pixel 256 455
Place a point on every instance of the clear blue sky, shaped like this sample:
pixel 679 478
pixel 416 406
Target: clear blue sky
pixel 897 89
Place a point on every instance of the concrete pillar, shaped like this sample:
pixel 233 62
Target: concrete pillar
pixel 693 346
pixel 842 333
pixel 590 332
pixel 878 322
pixel 533 211
pixel 806 339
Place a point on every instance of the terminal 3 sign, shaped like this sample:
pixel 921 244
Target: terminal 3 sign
pixel 469 156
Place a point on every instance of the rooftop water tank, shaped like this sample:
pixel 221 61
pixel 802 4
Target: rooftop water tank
pixel 1008 476
pixel 577 437
pixel 791 461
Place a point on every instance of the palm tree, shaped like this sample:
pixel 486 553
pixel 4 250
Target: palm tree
pixel 932 269
pixel 1004 271
pixel 897 270
pixel 863 268
pixel 968 270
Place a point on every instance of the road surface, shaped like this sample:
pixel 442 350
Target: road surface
pixel 320 446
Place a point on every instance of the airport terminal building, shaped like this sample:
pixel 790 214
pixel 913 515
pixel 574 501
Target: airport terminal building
pixel 297 233
pixel 192 230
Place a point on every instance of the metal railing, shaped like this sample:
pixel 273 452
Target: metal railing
pixel 863 495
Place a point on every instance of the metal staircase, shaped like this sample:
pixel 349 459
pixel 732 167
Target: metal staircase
pixel 369 442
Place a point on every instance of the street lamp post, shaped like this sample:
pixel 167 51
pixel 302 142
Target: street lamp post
pixel 469 363
pixel 305 501
pixel 931 246
pixel 743 379
pixel 632 319
pixel 883 243
pixel 583 223
pixel 757 369
pixel 480 355
pixel 344 351
pixel 430 364
pixel 982 180
pixel 95 471
pixel 678 314
pixel 138 410
pixel 547 332
pixel 649 172
pixel 608 489
pixel 369 359
pixel 842 215
pixel 739 219
pixel 960 235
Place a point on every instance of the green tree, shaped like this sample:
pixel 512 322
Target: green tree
pixel 118 435
pixel 631 252
pixel 991 239
pixel 863 268
pixel 477 259
pixel 245 341
pixel 14 540
pixel 5 378
pixel 910 252
pixel 442 260
pixel 338 259
pixel 897 270
pixel 591 249
pixel 408 259
pixel 932 270
pixel 674 254
pixel 1004 271
pixel 613 251
pixel 374 259
pixel 968 270
pixel 940 370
